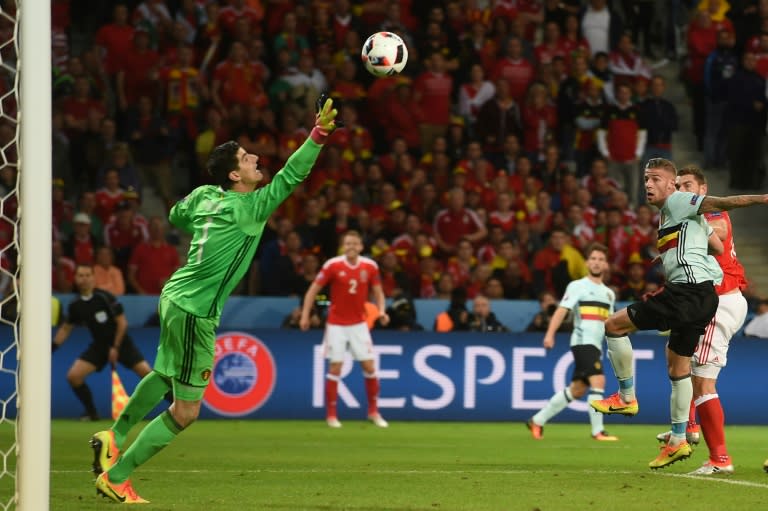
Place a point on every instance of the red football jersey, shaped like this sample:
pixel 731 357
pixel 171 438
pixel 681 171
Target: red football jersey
pixel 733 271
pixel 350 286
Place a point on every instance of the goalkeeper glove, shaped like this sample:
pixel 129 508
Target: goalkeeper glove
pixel 325 118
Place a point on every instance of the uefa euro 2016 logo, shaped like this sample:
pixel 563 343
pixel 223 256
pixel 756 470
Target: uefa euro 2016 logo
pixel 243 376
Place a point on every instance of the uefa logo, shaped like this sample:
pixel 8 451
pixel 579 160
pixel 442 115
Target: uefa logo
pixel 243 375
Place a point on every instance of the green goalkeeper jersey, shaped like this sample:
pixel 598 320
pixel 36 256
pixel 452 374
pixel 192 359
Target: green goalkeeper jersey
pixel 226 227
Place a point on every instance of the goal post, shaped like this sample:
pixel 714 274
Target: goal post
pixel 33 426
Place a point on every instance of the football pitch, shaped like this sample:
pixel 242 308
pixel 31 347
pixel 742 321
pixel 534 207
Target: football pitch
pixel 303 465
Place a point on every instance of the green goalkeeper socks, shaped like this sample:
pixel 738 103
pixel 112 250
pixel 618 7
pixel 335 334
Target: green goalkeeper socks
pixel 150 441
pixel 149 392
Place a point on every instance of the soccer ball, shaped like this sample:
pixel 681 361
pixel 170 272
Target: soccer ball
pixel 384 54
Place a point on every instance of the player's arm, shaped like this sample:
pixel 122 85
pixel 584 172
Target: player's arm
pixel 557 319
pixel 720 227
pixel 714 244
pixel 711 203
pixel 181 214
pixel 378 295
pixel 62 334
pixel 306 306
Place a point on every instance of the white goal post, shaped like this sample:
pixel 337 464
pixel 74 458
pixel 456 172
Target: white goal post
pixel 33 427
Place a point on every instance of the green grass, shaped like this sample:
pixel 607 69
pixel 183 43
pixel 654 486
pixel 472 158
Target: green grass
pixel 303 465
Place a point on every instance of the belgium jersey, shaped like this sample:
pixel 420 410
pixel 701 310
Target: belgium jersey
pixel 682 241
pixel 226 228
pixel 591 304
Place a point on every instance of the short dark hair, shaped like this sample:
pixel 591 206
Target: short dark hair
pixel 596 247
pixel 695 171
pixel 222 161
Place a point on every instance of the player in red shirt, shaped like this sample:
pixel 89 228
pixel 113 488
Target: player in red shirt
pixel 153 261
pixel 516 69
pixel 351 277
pixel 711 352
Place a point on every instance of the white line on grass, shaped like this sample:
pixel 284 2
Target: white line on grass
pixel 725 479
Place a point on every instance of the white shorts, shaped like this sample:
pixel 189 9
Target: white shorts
pixel 339 338
pixel 711 353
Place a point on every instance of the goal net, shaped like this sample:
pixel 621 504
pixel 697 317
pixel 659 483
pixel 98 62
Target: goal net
pixel 25 247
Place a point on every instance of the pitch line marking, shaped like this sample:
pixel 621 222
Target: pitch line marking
pixel 726 479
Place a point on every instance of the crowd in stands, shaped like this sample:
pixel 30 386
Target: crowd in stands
pixel 514 137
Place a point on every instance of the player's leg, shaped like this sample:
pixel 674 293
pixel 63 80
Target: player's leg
pixel 186 355
pixel 682 343
pixel 335 347
pixel 617 328
pixel 710 357
pixel 596 393
pixel 154 385
pixel 76 376
pixel 556 404
pixel 361 347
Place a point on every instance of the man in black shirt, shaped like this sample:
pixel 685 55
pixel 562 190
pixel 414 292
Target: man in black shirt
pixel 103 315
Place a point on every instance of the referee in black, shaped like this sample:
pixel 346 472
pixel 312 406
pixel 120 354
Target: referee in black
pixel 103 315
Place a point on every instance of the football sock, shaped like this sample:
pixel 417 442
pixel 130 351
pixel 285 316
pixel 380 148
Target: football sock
pixel 331 394
pixel 372 387
pixel 595 417
pixel 713 426
pixel 83 393
pixel 556 404
pixel 620 355
pixel 692 415
pixel 150 441
pixel 148 394
pixel 680 406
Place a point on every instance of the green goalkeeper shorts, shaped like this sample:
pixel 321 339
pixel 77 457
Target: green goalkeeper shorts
pixel 186 350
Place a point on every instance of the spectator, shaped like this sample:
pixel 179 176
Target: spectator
pixel 120 159
pixel 547 307
pixel 658 117
pixel 621 141
pixel 124 234
pixel 601 26
pixel 402 313
pixel 456 317
pixel 106 275
pixel 81 246
pixel 539 120
pixel 473 94
pixel 432 94
pixel 236 81
pixel 483 319
pixel 497 119
pixel 758 325
pixel 63 271
pixel 316 319
pixel 556 264
pixel 99 151
pixel 702 40
pixel 150 143
pixel 719 68
pixel 115 39
pixel 515 69
pixel 152 261
pixel 457 222
pixel 139 73
pixel 745 121
pixel 626 64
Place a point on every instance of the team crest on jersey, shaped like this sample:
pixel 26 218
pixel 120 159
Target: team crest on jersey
pixel 243 376
pixel 205 374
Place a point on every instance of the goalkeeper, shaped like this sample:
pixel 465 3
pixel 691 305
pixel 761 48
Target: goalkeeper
pixel 226 223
